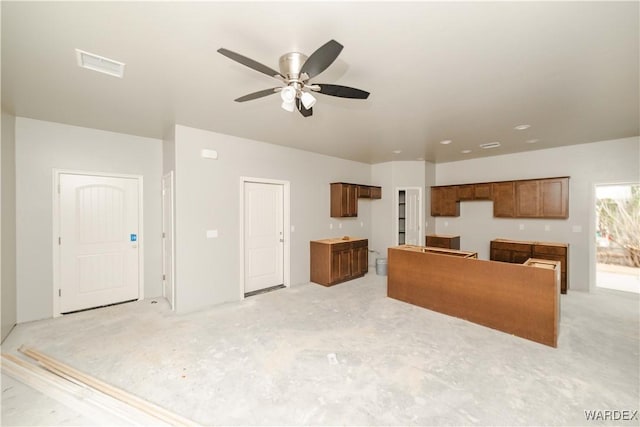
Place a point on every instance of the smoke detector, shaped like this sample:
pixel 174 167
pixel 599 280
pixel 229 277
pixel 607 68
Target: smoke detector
pixel 98 63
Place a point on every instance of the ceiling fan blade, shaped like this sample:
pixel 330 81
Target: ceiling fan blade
pixel 250 63
pixel 259 94
pixel 342 91
pixel 305 112
pixel 321 58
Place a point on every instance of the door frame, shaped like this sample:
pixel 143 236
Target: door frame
pixel 421 233
pixel 286 213
pixel 55 196
pixel 170 177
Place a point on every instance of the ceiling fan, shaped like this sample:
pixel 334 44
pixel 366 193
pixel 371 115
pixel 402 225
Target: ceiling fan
pixel 296 69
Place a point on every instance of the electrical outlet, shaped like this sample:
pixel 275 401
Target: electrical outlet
pixel 330 226
pixel 547 228
pixel 340 225
pixel 521 226
pixel 293 228
pixel 361 223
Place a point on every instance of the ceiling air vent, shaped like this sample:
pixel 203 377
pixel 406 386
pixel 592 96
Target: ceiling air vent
pixel 99 63
pixel 490 145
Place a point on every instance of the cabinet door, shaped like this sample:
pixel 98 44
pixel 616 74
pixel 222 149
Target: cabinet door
pixel 503 199
pixel 335 266
pixel 364 192
pixel 351 192
pixel 554 198
pixel 359 260
pixel 376 192
pixel 466 192
pixel 345 264
pixel 444 201
pixel 482 191
pixel 527 199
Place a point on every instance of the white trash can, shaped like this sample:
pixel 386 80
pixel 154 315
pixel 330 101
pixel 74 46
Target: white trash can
pixel 381 266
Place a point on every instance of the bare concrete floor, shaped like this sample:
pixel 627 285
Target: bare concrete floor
pixel 345 355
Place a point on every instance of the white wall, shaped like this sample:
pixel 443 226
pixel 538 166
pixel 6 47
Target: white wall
pixel 429 180
pixel 207 198
pixel 391 176
pixel 615 161
pixel 42 146
pixel 169 151
pixel 8 226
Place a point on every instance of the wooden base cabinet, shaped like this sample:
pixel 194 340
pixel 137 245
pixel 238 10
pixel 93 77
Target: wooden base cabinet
pixel 443 241
pixel 336 260
pixel 518 252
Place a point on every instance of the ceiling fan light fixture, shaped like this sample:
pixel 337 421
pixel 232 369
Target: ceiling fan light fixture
pixel 288 95
pixel 308 100
pixel 289 106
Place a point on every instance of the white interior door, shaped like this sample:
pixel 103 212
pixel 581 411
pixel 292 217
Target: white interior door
pixel 263 235
pixel 413 216
pixel 98 241
pixel 168 288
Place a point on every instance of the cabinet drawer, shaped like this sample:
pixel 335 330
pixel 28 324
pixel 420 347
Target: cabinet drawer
pixel 547 249
pixel 337 247
pixel 501 255
pixel 360 244
pixel 508 246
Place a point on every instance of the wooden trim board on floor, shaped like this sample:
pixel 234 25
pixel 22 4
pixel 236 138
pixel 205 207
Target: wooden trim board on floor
pixel 57 376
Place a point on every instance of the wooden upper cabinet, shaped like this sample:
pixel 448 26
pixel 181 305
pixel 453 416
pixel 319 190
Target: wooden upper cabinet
pixel 344 200
pixel 527 198
pixel 466 192
pixel 542 198
pixel 444 201
pixel 554 197
pixel 503 199
pixel 369 192
pixel 474 191
pixel 376 192
pixel 482 191
pixel 364 192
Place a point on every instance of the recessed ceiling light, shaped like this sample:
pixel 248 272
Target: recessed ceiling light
pixel 490 145
pixel 446 142
pixel 98 63
pixel 465 151
pixel 532 141
pixel 522 127
pixel 397 151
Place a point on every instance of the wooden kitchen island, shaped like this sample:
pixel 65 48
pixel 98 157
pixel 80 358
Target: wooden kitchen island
pixel 520 299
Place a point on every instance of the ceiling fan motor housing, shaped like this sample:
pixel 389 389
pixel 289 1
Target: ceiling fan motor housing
pixel 291 63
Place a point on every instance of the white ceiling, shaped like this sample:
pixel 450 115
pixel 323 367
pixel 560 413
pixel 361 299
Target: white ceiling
pixel 468 72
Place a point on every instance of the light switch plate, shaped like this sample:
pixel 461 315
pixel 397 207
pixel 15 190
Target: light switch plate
pixel 576 229
pixel 212 234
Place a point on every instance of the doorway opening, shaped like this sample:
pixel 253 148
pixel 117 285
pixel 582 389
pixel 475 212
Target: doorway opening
pixel 618 237
pixel 409 216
